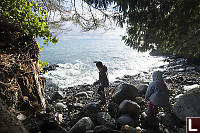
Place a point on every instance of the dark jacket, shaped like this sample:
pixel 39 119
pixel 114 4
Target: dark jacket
pixel 103 77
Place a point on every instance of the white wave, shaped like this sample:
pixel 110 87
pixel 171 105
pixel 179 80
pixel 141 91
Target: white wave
pixel 80 72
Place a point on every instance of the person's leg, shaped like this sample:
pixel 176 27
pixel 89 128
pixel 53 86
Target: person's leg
pixel 155 110
pixel 152 109
pixel 102 94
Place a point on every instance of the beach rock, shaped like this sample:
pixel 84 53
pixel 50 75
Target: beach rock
pixel 126 91
pixel 168 80
pixel 157 53
pixel 21 117
pixel 167 119
pixel 103 118
pixel 60 106
pixel 51 67
pixel 140 101
pixel 125 120
pixel 189 87
pixel 179 70
pixel 190 82
pixel 46 123
pixel 103 129
pixel 78 105
pixel 57 96
pixel 142 88
pixel 187 105
pixel 129 107
pixel 90 110
pixel 90 93
pixel 82 125
pixel 116 83
pixel 52 128
pixel 143 115
pixel 181 130
pixel 177 96
pixel 190 68
pixel 82 94
pixel 128 129
pixel 113 109
pixel 89 131
pixel 150 123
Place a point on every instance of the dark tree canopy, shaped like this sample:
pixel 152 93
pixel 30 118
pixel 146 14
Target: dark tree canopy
pixel 24 18
pixel 168 25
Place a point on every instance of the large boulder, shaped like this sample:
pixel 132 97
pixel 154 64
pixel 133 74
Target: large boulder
pixel 142 89
pixel 129 107
pixel 187 105
pixel 125 120
pixel 113 109
pixel 104 129
pixel 126 91
pixel 82 125
pixel 167 119
pixel 90 110
pixel 103 118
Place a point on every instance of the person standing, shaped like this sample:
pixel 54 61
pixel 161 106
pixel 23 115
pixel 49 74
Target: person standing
pixel 103 80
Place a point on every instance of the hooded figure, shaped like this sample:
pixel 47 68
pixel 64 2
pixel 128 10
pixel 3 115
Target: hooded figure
pixel 157 92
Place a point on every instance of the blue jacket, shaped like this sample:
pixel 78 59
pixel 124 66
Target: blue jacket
pixel 157 91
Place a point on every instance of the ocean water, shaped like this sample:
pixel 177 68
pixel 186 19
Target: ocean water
pixel 76 52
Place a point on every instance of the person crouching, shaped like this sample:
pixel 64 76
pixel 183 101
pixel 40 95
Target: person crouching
pixel 157 93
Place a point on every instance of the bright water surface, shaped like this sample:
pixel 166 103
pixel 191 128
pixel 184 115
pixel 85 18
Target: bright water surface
pixel 76 52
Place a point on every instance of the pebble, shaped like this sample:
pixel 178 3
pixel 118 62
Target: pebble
pixel 60 106
pixel 179 76
pixel 21 117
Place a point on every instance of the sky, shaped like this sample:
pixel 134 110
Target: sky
pixel 69 31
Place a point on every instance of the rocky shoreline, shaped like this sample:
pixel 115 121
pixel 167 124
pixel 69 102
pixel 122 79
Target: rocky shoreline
pixel 77 109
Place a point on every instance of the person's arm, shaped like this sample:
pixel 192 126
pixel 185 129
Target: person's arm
pixel 149 91
pixel 102 78
pixel 97 82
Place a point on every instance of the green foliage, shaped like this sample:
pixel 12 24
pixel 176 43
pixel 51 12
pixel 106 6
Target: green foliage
pixel 27 16
pixel 27 19
pixel 42 64
pixel 166 25
pixel 169 25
